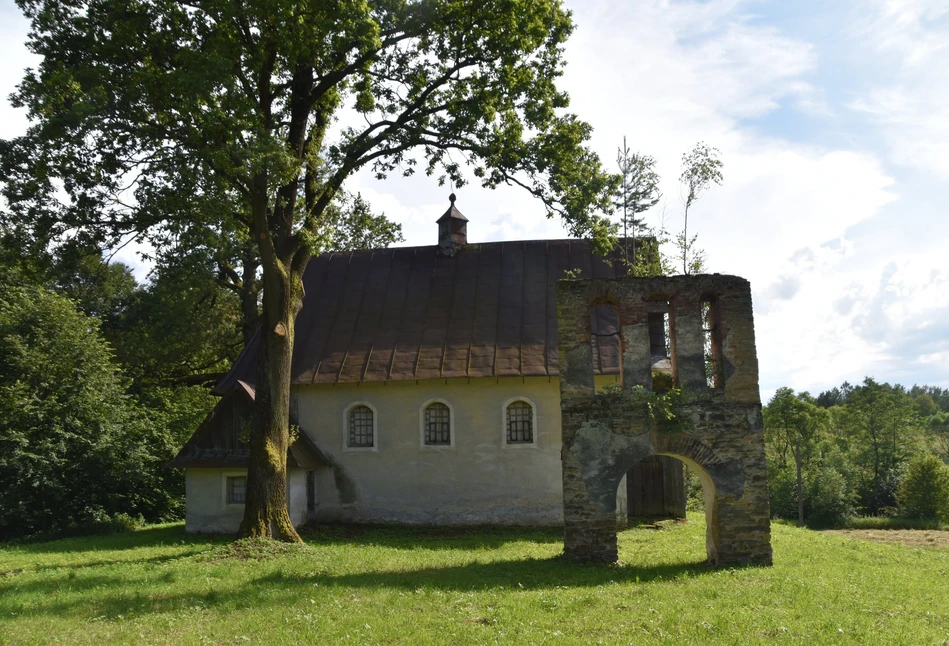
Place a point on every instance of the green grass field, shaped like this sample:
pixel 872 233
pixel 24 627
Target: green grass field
pixel 378 585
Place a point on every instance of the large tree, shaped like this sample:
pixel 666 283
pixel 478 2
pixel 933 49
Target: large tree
pixel 250 115
pixel 794 423
pixel 884 425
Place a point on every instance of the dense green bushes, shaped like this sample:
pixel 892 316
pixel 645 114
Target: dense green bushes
pixel 75 449
pixel 827 498
pixel 924 490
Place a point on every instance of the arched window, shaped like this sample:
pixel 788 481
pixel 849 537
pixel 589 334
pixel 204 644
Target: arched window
pixel 437 425
pixel 520 422
pixel 361 428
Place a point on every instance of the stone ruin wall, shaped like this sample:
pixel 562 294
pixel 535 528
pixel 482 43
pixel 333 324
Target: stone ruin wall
pixel 716 430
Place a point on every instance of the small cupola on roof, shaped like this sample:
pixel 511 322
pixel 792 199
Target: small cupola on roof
pixel 452 230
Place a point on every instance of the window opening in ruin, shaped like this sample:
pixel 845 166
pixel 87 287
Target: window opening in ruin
pixel 712 346
pixel 360 427
pixel 520 423
pixel 437 424
pixel 660 349
pixel 236 490
pixel 604 334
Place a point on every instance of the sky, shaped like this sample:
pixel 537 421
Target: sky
pixel 832 120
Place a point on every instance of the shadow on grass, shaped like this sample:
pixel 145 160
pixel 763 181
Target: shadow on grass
pixel 425 537
pixel 528 574
pixel 390 536
pixel 157 536
pixel 78 565
pixel 282 588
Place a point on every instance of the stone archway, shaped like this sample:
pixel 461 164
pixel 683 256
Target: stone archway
pixel 711 419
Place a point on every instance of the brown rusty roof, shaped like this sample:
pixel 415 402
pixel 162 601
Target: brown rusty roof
pixel 415 313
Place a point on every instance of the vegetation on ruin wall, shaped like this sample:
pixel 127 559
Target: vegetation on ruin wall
pixel 387 585
pixel 663 409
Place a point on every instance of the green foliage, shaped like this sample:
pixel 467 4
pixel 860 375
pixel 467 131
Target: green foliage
pixel 75 450
pixel 782 491
pixel 937 430
pixel 924 490
pixel 926 405
pixel 828 499
pixel 854 443
pixel 351 224
pixel 246 93
pixel 637 192
pixel 661 407
pixel 694 494
pixel 180 327
pixel 701 167
pixel 219 119
pixel 884 426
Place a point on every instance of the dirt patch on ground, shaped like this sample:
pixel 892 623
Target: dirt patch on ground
pixel 913 537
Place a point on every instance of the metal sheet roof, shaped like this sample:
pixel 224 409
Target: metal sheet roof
pixel 414 313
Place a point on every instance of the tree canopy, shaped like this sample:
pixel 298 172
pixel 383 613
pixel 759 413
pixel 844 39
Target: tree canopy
pixel 74 448
pixel 162 119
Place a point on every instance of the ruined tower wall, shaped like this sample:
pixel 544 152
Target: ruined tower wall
pixel 711 420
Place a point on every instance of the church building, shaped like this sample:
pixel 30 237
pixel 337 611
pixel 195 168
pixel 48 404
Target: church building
pixel 425 390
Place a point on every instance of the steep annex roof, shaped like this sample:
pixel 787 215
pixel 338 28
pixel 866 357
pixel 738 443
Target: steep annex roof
pixel 489 310
pixel 217 443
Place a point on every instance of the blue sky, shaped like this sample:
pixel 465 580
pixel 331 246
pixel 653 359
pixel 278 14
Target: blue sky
pixel 833 123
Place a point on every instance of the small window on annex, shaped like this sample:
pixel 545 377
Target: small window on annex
pixel 236 490
pixel 437 425
pixel 520 423
pixel 360 428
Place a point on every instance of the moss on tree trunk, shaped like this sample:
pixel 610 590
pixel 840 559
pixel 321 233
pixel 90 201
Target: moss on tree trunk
pixel 265 513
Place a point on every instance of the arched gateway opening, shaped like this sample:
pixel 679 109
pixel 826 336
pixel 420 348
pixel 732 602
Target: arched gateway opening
pixel 710 419
pixel 657 488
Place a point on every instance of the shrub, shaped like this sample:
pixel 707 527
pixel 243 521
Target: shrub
pixel 827 498
pixel 782 489
pixel 924 491
pixel 75 450
pixel 694 494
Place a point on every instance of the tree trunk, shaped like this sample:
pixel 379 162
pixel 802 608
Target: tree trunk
pixel 265 512
pixel 685 242
pixel 800 483
pixel 248 295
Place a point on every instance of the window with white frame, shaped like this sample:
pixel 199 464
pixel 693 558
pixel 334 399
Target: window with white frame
pixel 360 428
pixel 236 490
pixel 437 425
pixel 519 418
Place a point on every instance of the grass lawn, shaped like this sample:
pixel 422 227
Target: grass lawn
pixel 378 585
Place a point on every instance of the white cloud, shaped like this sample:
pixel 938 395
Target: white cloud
pixel 911 100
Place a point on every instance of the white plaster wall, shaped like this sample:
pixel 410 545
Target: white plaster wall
pixel 206 508
pixel 479 479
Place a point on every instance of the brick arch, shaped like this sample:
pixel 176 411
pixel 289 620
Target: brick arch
pixel 679 446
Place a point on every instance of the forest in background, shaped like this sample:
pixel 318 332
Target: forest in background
pixel 872 449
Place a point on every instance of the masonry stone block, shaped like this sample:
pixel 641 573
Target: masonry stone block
pixel 715 429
